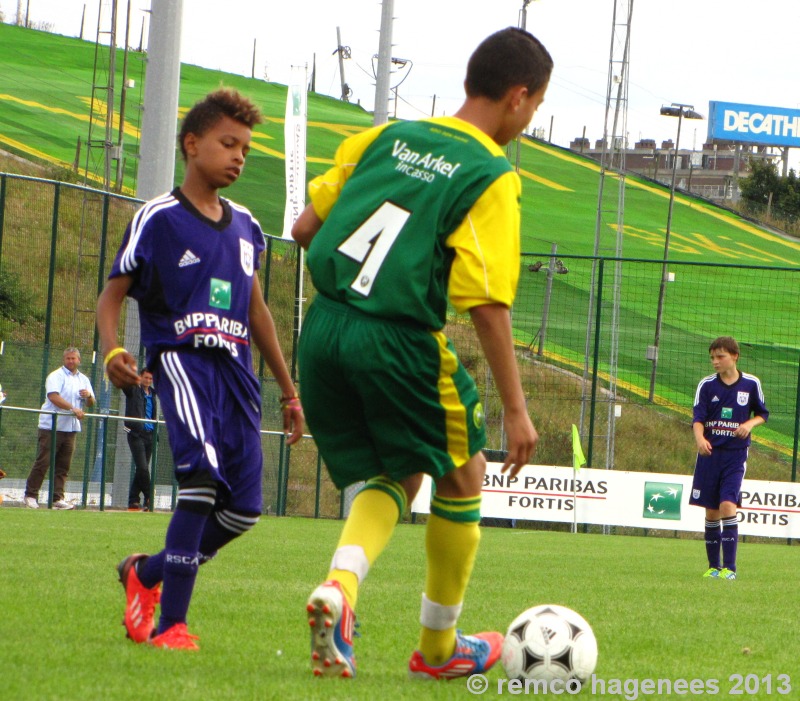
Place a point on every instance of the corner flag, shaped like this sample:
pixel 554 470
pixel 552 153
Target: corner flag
pixel 577 451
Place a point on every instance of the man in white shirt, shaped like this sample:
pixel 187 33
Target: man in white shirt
pixel 68 392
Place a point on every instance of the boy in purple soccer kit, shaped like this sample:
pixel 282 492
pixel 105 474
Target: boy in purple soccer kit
pixel 722 423
pixel 190 258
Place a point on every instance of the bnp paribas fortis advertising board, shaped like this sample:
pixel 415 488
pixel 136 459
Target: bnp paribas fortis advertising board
pixel 618 498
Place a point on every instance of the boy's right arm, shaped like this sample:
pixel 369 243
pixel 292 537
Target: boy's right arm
pixel 703 446
pixel 306 227
pixel 493 325
pixel 121 368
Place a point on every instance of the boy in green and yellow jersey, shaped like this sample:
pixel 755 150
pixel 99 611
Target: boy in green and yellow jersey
pixel 413 214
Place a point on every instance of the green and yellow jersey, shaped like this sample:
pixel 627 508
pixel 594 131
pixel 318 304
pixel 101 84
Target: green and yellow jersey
pixel 414 213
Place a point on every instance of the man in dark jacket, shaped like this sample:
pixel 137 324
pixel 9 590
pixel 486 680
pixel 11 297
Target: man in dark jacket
pixel 141 403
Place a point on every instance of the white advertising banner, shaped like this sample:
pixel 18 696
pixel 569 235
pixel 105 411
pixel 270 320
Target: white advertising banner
pixel 617 498
pixel 294 134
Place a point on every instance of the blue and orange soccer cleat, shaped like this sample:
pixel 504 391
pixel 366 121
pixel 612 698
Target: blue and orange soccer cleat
pixel 475 654
pixel 140 603
pixel 331 621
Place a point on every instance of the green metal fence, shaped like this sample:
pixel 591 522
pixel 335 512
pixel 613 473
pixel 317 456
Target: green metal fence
pixel 585 329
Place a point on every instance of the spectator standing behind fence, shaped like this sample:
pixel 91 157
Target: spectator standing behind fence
pixel 68 392
pixel 141 403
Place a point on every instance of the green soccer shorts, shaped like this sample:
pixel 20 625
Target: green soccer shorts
pixel 385 398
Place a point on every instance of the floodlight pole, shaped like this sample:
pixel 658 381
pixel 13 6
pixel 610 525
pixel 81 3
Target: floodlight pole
pixel 680 111
pixel 161 88
pixel 523 24
pixel 381 113
pixel 523 14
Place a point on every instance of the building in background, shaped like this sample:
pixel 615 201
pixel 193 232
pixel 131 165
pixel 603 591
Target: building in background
pixel 738 135
pixel 712 172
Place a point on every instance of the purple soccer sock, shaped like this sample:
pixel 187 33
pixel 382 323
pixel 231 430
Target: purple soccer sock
pixel 180 563
pixel 713 532
pixel 730 540
pixel 151 570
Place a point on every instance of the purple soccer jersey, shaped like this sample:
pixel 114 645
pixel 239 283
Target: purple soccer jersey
pixel 721 408
pixel 191 276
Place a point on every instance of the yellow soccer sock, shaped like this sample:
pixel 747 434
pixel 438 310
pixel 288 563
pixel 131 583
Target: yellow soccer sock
pixel 349 582
pixel 373 516
pixel 451 542
pixel 439 645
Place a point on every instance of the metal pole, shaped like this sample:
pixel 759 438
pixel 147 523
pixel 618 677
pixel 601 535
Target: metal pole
pixel 341 65
pixel 2 211
pixel 596 361
pixel 159 121
pixel 523 23
pixel 52 470
pixel 384 64
pixel 122 102
pixel 154 465
pixel 103 453
pixel 318 486
pixel 796 426
pixel 662 290
pixel 281 496
pixel 108 141
pixel 551 268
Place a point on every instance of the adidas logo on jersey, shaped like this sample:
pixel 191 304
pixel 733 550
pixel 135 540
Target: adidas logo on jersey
pixel 188 258
pixel 715 399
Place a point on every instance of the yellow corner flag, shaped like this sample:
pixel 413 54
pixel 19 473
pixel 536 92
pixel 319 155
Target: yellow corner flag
pixel 577 451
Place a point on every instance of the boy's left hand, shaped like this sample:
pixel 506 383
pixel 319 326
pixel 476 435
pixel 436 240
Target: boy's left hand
pixel 122 370
pixel 293 420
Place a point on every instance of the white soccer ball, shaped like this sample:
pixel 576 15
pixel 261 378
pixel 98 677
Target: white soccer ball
pixel 549 642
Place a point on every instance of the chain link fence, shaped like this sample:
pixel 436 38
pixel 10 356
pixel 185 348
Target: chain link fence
pixel 592 348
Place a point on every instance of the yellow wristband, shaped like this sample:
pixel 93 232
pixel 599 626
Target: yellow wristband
pixel 113 354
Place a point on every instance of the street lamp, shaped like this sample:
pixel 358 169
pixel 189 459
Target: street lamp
pixel 523 24
pixel 681 111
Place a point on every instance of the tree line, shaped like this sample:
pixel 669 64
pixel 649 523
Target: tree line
pixel 771 196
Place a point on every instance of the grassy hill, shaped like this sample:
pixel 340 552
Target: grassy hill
pixel 46 90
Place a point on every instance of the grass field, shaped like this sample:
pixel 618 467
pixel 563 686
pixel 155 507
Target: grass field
pixel 654 617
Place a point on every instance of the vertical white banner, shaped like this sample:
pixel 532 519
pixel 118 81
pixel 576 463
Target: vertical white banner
pixel 294 132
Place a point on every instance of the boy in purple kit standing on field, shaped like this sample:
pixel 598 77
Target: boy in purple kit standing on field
pixel 722 423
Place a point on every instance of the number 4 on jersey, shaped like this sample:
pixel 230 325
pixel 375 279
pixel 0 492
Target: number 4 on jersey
pixel 371 243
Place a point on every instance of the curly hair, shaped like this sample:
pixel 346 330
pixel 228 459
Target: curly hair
pixel 225 102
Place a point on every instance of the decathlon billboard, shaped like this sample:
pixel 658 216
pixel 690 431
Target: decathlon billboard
pixel 774 126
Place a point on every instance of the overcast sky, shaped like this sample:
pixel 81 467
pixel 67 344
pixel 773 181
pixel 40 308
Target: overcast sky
pixel 687 51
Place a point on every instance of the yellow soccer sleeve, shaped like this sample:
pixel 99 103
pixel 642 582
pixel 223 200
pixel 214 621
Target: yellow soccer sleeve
pixel 487 248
